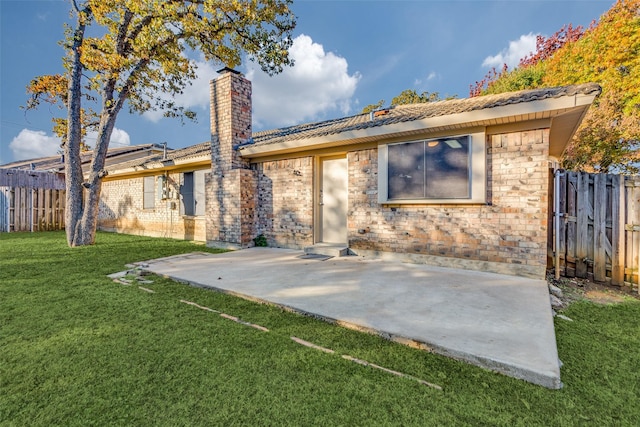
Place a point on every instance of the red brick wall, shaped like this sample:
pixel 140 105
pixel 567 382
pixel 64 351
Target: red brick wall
pixel 511 230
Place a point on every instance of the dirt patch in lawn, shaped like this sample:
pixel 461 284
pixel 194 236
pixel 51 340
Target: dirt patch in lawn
pixel 574 289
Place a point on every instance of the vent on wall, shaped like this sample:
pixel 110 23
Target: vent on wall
pixel 378 113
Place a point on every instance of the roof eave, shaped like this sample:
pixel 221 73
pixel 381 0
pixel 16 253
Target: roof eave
pixel 160 166
pixel 571 108
pixel 564 126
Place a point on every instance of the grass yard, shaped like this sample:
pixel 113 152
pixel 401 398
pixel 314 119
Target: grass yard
pixel 77 349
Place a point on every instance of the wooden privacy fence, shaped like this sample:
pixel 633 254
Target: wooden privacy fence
pixel 31 201
pixel 596 227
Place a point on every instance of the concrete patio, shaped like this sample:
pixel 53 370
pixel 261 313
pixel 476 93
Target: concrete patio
pixel 503 323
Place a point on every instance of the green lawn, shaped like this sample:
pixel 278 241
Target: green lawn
pixel 78 349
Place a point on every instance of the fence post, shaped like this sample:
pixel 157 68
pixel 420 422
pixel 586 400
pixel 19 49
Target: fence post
pixel 571 223
pixel 582 225
pixel 599 227
pixel 4 209
pixel 556 220
pixel 632 229
pixel 33 214
pixel 618 213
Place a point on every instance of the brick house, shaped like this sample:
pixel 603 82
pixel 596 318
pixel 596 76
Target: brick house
pixel 161 195
pixel 32 192
pixel 461 183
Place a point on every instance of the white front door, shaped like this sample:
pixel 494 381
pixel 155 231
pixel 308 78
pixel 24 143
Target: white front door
pixel 333 200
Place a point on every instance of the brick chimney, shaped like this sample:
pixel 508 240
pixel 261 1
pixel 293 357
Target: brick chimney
pixel 231 186
pixel 230 118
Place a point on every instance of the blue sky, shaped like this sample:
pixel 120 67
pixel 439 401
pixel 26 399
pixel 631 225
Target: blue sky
pixel 348 54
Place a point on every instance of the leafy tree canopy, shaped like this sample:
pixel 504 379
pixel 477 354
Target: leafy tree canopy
pixel 607 53
pixel 139 47
pixel 408 96
pixel 136 52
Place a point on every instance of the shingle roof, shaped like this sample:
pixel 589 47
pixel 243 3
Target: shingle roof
pixel 55 163
pixel 393 115
pixel 411 112
pixel 191 152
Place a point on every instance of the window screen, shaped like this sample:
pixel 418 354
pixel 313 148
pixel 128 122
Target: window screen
pixel 149 190
pixel 192 193
pixel 198 192
pixel 186 191
pixel 433 169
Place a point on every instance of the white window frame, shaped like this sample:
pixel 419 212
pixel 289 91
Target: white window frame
pixel 477 173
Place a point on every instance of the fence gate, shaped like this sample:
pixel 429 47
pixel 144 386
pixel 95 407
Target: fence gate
pixel 597 227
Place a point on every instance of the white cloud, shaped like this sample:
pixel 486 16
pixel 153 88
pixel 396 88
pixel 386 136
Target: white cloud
pixel 511 56
pixel 31 144
pixel 119 138
pixel 193 96
pixel 431 76
pixel 318 84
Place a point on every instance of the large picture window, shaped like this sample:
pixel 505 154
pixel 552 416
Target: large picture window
pixel 442 170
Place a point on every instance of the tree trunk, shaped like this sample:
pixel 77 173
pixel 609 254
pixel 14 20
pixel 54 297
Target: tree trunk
pixel 89 223
pixel 83 197
pixel 73 166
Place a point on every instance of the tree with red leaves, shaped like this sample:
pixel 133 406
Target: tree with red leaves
pixel 547 46
pixel 519 79
pixel 606 53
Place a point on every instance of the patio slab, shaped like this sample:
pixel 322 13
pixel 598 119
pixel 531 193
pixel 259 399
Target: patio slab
pixel 499 322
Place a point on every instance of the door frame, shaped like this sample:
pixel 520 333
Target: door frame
pixel 317 186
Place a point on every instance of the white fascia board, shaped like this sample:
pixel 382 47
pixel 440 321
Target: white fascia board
pixel 166 165
pixel 473 118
